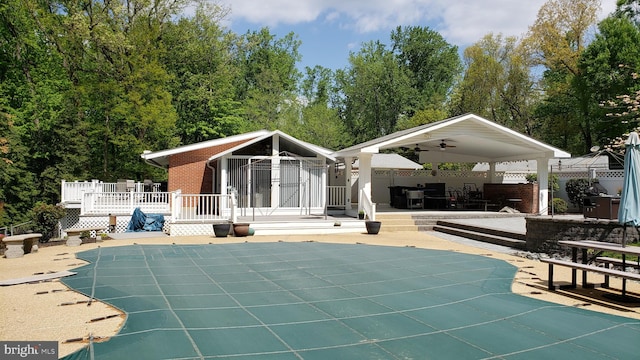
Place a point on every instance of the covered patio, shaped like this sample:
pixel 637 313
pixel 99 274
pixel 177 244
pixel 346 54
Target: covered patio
pixel 462 139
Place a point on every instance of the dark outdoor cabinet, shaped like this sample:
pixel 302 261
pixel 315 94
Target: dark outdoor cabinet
pixel 601 207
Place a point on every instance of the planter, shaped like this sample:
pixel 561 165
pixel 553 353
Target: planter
pixel 361 216
pixel 373 227
pixel 241 229
pixel 221 230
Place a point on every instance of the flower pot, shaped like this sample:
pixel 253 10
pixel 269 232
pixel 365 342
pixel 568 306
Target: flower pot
pixel 241 229
pixel 373 227
pixel 221 230
pixel 361 216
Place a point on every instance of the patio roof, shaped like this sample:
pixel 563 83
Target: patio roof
pixel 469 138
pixel 390 161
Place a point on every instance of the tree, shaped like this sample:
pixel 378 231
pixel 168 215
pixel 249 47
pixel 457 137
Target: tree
pixel 628 9
pixel 497 84
pixel 421 117
pixel 559 34
pixel 430 63
pixel 268 78
pixel 312 117
pixel 318 85
pixel 200 61
pixel 607 69
pixel 556 40
pixel 375 92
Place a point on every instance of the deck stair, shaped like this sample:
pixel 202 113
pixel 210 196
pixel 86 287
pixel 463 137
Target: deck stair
pixel 396 222
pixel 484 234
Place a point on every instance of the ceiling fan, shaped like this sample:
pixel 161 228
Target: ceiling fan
pixel 443 145
pixel 418 149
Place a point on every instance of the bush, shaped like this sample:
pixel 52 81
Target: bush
pixel 576 190
pixel 559 206
pixel 46 219
pixel 554 182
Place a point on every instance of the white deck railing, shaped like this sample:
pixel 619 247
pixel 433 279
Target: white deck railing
pixel 368 206
pixel 202 207
pixel 98 198
pixel 99 203
pixel 336 196
pixel 72 192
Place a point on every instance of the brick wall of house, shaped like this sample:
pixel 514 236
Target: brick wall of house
pixel 188 171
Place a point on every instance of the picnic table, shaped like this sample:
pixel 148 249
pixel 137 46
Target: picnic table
pixel 585 266
pixel 18 245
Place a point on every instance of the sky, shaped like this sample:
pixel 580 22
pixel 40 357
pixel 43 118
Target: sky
pixel 330 29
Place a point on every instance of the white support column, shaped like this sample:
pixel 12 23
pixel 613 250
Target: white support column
pixel 543 185
pixel 63 193
pixel 324 183
pixel 347 182
pixel 493 178
pixel 223 165
pixel 275 164
pixel 364 177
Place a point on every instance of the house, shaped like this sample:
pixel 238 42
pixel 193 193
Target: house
pixel 268 173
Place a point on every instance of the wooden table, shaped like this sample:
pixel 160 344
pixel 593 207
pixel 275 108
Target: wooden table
pixel 599 246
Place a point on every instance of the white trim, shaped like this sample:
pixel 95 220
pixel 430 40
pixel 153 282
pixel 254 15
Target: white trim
pixel 325 153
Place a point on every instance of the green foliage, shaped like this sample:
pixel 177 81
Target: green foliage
pixel 46 218
pixel 497 84
pixel 430 63
pixel 576 190
pixel 421 117
pixel 559 206
pixel 554 181
pixel 376 92
pixel 607 67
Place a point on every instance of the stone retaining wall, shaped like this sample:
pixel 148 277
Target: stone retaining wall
pixel 543 233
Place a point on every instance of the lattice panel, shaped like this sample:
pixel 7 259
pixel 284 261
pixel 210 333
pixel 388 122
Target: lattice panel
pixel 181 229
pixel 74 220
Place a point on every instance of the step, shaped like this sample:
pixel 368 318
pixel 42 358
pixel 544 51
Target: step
pixel 484 237
pixel 396 222
pixel 484 230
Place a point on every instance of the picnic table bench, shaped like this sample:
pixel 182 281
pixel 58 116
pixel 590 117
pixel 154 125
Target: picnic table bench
pixel 18 245
pixel 73 234
pixel 585 267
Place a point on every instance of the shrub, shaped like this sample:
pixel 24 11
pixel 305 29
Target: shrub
pixel 559 206
pixel 554 182
pixel 576 190
pixel 46 219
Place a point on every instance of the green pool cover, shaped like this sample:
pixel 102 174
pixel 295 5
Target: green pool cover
pixel 327 301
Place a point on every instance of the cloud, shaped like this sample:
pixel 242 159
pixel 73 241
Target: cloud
pixel 461 22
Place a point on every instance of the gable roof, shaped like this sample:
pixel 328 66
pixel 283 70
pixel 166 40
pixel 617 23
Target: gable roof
pixel 475 139
pixel 318 150
pixel 161 158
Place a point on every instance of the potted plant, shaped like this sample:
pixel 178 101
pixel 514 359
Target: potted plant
pixel 361 214
pixel 373 227
pixel 240 229
pixel 221 229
